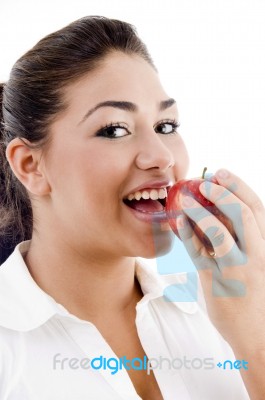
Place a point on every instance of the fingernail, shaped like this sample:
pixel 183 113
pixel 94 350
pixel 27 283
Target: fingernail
pixel 206 186
pixel 222 173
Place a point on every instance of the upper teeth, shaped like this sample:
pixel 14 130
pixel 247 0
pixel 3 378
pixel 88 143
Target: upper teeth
pixel 153 194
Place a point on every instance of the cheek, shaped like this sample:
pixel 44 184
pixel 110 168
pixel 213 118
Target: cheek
pixel 86 172
pixel 181 157
pixel 185 158
pixel 66 169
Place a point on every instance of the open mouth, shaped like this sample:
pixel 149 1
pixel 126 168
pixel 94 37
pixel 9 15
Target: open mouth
pixel 150 201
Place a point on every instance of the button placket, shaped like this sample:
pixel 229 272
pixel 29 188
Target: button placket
pixel 157 348
pixel 93 345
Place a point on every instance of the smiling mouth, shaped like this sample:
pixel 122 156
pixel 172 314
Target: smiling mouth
pixel 148 201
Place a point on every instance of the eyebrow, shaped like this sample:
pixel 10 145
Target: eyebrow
pixel 125 105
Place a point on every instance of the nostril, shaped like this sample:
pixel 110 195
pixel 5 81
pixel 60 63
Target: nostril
pixel 155 157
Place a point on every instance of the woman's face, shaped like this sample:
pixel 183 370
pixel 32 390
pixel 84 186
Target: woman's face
pixel 117 137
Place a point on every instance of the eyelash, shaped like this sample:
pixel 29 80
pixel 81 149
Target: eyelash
pixel 103 130
pixel 174 123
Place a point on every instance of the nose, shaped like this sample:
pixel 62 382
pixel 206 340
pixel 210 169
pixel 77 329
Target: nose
pixel 154 153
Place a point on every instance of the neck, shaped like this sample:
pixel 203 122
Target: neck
pixel 88 287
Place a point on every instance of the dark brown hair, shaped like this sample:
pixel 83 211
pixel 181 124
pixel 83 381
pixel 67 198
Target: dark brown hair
pixel 32 98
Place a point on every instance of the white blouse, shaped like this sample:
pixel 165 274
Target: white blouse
pixel 46 353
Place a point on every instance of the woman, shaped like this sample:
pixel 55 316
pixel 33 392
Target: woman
pixel 91 138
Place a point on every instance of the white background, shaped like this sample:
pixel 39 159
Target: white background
pixel 211 58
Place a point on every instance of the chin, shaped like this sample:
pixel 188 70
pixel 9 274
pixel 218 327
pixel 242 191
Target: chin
pixel 160 244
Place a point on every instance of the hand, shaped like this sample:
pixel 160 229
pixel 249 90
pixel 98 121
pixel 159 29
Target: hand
pixel 234 280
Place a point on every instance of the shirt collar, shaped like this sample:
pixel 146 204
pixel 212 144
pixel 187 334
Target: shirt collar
pixel 25 306
pixel 153 286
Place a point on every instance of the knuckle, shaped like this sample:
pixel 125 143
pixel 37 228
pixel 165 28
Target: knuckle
pixel 221 193
pixel 218 239
pixel 257 204
pixel 247 214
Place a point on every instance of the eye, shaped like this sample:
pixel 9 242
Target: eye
pixel 167 127
pixel 113 131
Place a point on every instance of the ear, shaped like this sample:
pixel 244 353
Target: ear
pixel 25 163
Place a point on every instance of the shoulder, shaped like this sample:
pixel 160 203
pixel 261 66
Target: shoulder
pixel 23 304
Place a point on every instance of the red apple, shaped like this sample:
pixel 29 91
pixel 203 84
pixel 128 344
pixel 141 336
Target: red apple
pixel 191 188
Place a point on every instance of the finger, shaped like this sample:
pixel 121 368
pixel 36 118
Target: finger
pixel 244 192
pixel 211 276
pixel 208 223
pixel 226 250
pixel 242 217
pixel 194 247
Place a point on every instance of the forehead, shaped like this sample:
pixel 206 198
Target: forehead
pixel 119 76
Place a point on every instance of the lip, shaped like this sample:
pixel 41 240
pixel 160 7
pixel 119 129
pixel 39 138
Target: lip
pixel 158 217
pixel 154 184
